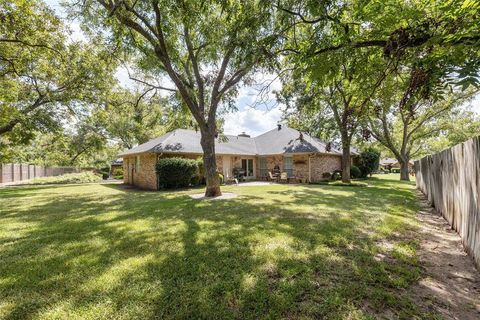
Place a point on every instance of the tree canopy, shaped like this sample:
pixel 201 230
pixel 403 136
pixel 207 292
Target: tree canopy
pixel 44 78
pixel 204 48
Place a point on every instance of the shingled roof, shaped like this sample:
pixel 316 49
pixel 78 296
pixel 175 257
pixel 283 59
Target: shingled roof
pixel 277 141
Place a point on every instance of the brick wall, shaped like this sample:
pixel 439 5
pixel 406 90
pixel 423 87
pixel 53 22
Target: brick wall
pixel 140 170
pixel 271 162
pixel 319 165
pixel 324 163
pixel 300 167
pixel 145 176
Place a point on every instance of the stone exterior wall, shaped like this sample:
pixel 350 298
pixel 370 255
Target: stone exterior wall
pixel 324 163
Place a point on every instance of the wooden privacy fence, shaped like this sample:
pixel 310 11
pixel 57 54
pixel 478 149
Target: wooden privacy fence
pixel 451 181
pixel 13 172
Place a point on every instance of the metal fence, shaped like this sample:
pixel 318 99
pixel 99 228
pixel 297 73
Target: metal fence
pixel 16 172
pixel 451 181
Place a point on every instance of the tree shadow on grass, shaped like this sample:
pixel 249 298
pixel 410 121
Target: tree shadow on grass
pixel 158 255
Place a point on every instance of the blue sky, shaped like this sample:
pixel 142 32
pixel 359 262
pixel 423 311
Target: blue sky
pixel 252 120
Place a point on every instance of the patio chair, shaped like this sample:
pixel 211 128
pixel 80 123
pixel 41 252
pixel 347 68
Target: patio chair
pixel 271 177
pixel 284 177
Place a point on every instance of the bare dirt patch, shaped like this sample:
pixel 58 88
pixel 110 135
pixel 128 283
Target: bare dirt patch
pixel 225 195
pixel 450 284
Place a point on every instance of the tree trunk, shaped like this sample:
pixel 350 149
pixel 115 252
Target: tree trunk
pixel 211 176
pixel 404 172
pixel 346 161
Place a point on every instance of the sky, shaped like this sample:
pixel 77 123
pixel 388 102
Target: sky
pixel 251 117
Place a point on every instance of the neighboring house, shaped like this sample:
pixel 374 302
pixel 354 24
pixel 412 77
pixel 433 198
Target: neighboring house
pixel 389 164
pixel 296 153
pixel 116 164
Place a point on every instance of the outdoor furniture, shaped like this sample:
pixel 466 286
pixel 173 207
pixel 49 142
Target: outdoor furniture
pixel 272 176
pixel 239 174
pixel 284 177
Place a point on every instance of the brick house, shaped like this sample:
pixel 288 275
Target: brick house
pixel 296 153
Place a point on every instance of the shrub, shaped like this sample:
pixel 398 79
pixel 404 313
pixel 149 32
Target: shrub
pixel 326 175
pixel 355 172
pixel 105 169
pixel 82 177
pixel 200 171
pixel 105 175
pixel 117 172
pixel 222 179
pixel 200 167
pixel 395 170
pixel 368 161
pixel 175 172
pixel 195 181
pixel 336 175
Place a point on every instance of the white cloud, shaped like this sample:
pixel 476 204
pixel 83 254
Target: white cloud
pixel 252 121
pixel 259 111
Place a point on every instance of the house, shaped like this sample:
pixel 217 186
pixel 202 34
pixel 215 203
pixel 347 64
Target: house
pixel 116 165
pixel 389 164
pixel 294 152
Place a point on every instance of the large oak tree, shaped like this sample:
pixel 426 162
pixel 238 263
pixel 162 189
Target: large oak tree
pixel 205 49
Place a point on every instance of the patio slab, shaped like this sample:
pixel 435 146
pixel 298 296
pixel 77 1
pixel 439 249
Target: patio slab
pixel 255 183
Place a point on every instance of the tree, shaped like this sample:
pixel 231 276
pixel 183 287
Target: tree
pixel 340 93
pixel 448 30
pixel 453 127
pixel 81 145
pixel 368 161
pixel 407 110
pixel 135 117
pixel 205 48
pixel 438 43
pixel 43 79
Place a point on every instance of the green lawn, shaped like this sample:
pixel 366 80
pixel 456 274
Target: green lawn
pixel 104 252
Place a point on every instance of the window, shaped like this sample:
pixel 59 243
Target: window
pixel 288 165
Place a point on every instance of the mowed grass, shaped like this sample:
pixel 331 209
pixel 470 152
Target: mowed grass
pixel 282 251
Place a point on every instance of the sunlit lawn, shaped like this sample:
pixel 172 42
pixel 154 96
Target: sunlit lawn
pixel 285 251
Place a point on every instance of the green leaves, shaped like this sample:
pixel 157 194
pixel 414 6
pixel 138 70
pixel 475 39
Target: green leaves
pixel 44 77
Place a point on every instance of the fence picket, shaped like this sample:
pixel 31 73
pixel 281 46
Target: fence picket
pixel 451 181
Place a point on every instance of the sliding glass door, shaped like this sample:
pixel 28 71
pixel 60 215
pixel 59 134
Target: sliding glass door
pixel 247 165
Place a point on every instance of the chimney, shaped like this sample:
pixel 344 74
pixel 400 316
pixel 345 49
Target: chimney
pixel 243 134
pixel 279 126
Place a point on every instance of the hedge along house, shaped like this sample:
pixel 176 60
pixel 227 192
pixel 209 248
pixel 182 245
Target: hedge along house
pixel 304 157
